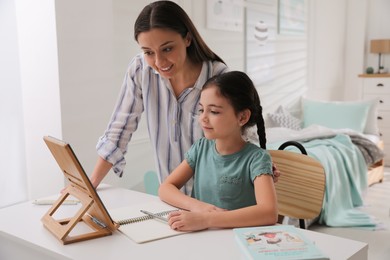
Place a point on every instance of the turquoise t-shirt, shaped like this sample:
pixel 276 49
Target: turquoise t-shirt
pixel 226 181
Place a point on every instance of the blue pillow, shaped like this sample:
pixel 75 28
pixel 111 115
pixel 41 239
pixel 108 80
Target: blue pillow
pixel 336 115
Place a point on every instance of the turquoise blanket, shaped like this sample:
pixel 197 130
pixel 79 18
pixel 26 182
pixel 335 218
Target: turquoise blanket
pixel 346 180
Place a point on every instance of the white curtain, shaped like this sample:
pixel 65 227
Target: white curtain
pixel 13 181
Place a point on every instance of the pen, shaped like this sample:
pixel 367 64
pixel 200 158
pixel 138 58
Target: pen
pixel 154 215
pixel 97 221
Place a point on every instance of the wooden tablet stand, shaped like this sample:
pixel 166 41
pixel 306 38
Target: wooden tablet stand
pixel 92 211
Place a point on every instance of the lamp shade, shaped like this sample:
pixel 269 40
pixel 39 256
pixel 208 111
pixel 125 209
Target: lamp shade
pixel 380 46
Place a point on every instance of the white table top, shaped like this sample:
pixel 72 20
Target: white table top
pixel 21 230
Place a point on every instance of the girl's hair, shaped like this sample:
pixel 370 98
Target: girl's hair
pixel 239 89
pixel 169 15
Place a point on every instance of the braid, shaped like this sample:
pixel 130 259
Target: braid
pixel 261 132
pixel 260 123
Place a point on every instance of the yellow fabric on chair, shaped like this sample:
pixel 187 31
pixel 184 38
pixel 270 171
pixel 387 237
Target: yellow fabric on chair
pixel 151 182
pixel 301 185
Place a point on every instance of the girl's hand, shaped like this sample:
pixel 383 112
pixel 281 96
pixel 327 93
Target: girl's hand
pixel 188 221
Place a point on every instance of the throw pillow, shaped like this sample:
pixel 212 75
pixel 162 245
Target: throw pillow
pixel 282 118
pixel 336 114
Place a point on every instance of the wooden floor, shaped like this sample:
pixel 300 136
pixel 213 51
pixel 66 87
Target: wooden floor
pixel 377 204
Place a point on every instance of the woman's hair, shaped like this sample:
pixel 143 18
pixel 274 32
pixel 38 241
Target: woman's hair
pixel 169 15
pixel 239 89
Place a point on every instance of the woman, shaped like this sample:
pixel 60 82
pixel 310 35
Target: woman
pixel 165 83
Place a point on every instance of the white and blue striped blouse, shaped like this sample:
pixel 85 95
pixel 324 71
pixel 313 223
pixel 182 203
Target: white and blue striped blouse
pixel 171 121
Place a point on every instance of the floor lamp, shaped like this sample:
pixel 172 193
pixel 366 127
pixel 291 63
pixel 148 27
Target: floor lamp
pixel 380 46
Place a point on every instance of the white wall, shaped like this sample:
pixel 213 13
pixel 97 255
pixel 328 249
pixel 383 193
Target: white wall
pixel 339 45
pixel 279 67
pixel 13 184
pixel 229 45
pixel 327 45
pixel 377 28
pixel 37 44
pixel 354 44
pixel 95 46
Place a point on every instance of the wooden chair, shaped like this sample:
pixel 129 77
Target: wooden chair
pixel 301 186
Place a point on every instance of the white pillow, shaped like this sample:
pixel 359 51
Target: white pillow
pixel 282 118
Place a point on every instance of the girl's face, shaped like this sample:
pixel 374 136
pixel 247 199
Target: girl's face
pixel 217 116
pixel 164 50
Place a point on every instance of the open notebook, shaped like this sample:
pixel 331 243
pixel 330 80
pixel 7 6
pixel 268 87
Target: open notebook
pixel 129 220
pixel 143 228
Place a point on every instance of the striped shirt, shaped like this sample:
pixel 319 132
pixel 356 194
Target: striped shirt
pixel 171 121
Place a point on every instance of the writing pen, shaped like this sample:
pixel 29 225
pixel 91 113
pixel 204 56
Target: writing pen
pixel 154 215
pixel 97 221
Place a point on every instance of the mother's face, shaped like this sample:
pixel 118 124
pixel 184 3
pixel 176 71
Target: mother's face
pixel 164 50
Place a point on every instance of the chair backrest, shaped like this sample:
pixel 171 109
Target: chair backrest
pixel 300 187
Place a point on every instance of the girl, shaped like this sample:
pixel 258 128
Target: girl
pixel 233 185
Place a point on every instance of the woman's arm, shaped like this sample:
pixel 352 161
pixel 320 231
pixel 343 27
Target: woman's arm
pixel 169 191
pixel 263 213
pixel 102 167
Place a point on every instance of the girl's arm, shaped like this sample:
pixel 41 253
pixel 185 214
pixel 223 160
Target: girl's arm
pixel 169 191
pixel 263 213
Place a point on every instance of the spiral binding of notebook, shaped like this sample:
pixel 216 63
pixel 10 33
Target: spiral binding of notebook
pixel 143 218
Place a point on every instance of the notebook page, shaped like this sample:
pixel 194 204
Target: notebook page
pixel 145 230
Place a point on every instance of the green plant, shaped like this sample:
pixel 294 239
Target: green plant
pixel 370 70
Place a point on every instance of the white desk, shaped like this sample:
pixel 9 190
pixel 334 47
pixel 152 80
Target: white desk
pixel 23 236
